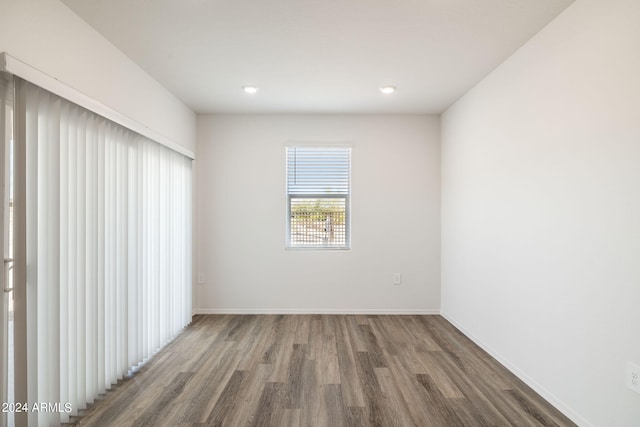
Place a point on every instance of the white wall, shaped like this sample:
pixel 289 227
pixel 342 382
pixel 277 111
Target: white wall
pixel 395 216
pixel 50 37
pixel 541 211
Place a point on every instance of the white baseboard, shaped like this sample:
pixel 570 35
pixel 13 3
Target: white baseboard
pixel 546 394
pixel 380 311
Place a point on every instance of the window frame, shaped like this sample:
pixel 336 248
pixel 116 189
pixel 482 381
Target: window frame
pixel 289 197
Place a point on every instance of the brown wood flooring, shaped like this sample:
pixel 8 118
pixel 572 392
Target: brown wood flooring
pixel 322 370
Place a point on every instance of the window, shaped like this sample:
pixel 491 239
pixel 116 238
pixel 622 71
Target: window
pixel 318 192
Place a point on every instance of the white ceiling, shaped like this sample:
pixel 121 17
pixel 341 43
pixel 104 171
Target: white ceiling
pixel 318 56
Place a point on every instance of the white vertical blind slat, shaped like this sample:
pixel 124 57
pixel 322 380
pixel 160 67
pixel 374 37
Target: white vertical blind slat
pixel 92 251
pixel 101 254
pixel 79 260
pixel 132 243
pixel 65 351
pixel 49 297
pixel 70 254
pixel 31 187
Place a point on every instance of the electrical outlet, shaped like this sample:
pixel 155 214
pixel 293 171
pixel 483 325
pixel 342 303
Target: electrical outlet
pixel 633 377
pixel 397 279
pixel 201 279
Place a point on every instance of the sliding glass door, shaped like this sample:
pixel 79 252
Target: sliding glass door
pixel 6 236
pixel 96 244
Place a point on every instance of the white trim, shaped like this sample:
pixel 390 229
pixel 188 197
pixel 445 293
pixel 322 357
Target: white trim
pixel 318 143
pixel 379 311
pixel 538 388
pixel 18 68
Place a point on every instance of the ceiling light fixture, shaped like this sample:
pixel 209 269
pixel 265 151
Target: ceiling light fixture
pixel 387 89
pixel 250 89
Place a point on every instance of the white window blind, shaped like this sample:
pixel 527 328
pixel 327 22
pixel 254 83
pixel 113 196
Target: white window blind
pixel 107 249
pixel 318 197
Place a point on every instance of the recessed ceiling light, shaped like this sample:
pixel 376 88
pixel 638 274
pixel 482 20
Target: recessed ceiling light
pixel 387 89
pixel 250 89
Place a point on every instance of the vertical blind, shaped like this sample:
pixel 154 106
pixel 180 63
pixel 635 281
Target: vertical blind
pixel 108 250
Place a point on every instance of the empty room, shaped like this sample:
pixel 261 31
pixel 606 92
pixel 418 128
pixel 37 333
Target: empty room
pixel 306 213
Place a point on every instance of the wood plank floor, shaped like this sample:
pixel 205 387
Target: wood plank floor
pixel 321 370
